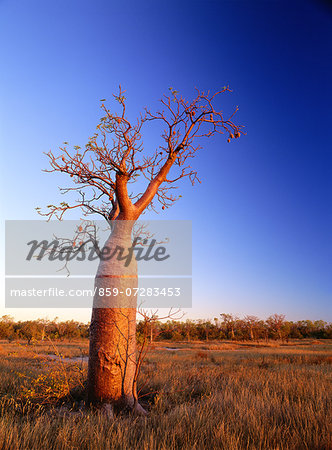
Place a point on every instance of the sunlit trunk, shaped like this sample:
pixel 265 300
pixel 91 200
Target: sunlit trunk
pixel 112 352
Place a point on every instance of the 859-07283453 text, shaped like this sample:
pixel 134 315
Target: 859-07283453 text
pixel 108 292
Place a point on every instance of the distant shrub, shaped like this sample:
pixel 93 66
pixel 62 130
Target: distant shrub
pixel 201 355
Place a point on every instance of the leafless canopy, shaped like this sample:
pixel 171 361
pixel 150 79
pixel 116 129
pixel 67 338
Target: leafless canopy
pixel 114 156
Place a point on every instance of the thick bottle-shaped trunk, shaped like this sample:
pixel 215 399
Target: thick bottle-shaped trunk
pixel 112 352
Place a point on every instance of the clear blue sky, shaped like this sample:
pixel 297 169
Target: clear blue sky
pixel 262 215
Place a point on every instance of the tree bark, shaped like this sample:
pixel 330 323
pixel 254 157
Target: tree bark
pixel 112 351
pixel 251 334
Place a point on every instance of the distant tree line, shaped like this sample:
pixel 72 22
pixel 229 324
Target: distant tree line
pixel 41 329
pixel 224 327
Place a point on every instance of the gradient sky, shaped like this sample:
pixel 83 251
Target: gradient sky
pixel 262 215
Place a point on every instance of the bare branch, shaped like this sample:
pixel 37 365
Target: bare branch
pixel 114 157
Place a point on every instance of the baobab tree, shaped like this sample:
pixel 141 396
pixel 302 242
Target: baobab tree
pixel 111 162
pixel 229 322
pixel 252 325
pixel 276 324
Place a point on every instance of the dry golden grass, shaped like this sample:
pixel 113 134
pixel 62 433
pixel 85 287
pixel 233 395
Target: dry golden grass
pixel 204 396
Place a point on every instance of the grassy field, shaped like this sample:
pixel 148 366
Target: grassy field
pixel 223 395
